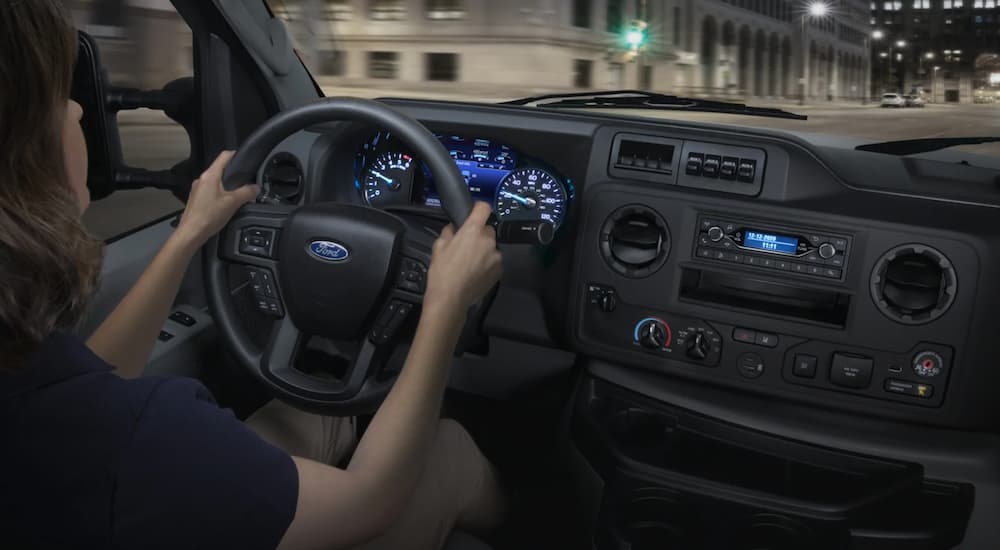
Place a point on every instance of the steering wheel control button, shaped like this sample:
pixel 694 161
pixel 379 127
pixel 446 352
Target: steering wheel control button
pixel 389 321
pixel 257 241
pixel 850 371
pixel 412 276
pixel 183 318
pixel 912 389
pixel 805 366
pixel 744 335
pixel 928 364
pixel 767 340
pixel 265 292
pixel 750 365
pixel 695 161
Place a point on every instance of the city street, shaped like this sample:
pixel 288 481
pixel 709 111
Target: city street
pixel 150 141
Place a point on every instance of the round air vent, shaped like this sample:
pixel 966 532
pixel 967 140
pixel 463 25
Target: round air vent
pixel 635 241
pixel 282 178
pixel 913 284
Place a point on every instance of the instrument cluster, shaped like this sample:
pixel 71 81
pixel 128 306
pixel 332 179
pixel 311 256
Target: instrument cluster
pixel 519 188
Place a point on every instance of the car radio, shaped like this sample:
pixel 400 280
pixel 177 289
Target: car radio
pixel 767 246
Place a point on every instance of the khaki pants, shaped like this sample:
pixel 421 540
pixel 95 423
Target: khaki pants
pixel 458 489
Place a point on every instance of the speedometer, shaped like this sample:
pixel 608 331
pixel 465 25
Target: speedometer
pixel 530 194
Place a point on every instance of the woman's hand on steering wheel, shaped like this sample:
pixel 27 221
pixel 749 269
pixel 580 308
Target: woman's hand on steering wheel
pixel 465 264
pixel 209 206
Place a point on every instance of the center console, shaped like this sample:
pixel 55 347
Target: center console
pixel 841 313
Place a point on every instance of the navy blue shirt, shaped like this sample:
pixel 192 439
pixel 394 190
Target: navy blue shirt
pixel 90 460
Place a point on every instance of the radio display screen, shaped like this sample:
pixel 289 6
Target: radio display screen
pixel 771 242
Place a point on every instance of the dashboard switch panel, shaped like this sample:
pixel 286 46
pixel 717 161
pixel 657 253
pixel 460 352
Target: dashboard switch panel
pixel 725 168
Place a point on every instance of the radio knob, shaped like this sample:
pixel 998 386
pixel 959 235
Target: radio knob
pixel 652 335
pixel 697 346
pixel 827 251
pixel 716 234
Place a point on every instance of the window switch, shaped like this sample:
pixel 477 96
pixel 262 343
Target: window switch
pixel 165 336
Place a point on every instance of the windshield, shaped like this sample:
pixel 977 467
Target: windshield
pixel 836 61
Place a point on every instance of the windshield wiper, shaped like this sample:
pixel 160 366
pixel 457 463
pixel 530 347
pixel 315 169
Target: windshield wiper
pixel 636 99
pixel 915 146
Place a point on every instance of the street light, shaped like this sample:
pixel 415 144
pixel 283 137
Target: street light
pixel 815 10
pixel 878 35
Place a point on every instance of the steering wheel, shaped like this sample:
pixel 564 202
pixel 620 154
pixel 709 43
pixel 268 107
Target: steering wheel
pixel 345 272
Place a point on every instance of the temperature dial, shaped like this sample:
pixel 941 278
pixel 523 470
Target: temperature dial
pixel 652 334
pixel 928 364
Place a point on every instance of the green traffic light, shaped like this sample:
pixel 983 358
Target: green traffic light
pixel 635 38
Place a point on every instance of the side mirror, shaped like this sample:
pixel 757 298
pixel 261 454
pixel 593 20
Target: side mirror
pixel 100 126
pixel 101 104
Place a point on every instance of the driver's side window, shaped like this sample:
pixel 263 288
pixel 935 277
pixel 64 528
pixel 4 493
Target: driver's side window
pixel 145 46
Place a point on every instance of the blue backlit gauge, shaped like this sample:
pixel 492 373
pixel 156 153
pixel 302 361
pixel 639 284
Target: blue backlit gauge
pixel 531 194
pixel 390 174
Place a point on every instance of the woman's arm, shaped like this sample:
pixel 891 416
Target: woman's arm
pixel 126 338
pixel 342 509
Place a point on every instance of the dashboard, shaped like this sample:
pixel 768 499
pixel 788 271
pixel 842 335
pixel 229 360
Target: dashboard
pixel 780 282
pixel 519 187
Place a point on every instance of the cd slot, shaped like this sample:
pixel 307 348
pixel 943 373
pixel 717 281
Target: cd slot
pixel 762 296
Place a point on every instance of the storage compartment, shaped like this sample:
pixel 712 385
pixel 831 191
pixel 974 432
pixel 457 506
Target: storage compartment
pixel 764 296
pixel 683 481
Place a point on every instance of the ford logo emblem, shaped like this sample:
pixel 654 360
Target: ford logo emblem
pixel 328 251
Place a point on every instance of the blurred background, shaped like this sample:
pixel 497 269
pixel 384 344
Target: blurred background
pixel 833 60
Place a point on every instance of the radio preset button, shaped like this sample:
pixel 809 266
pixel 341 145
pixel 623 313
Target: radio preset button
pixel 783 265
pixel 832 273
pixel 704 253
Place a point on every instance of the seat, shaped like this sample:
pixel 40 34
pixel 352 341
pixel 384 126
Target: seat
pixel 464 541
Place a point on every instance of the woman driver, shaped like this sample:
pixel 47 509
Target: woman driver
pixel 94 457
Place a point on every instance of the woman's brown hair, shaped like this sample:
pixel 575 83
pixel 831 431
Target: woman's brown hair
pixel 48 262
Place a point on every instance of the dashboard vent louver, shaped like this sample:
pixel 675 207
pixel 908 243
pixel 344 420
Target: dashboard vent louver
pixel 913 284
pixel 282 179
pixel 642 155
pixel 635 241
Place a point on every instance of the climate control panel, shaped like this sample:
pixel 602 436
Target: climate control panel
pixel 710 349
pixel 668 336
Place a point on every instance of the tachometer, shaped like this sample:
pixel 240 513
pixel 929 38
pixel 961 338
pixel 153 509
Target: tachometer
pixel 390 176
pixel 531 194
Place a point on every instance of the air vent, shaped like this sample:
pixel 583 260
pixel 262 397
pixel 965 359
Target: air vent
pixel 914 284
pixel 635 241
pixel 282 178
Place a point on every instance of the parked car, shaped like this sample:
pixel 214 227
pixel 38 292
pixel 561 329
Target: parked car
pixel 893 100
pixel 914 101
